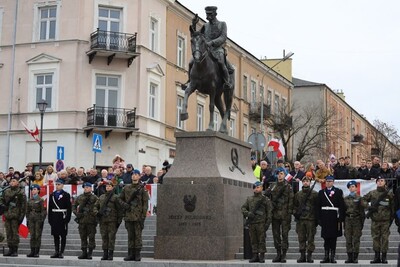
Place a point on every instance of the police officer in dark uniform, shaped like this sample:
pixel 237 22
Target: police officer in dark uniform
pixel 84 211
pixel 13 202
pixel 331 214
pixel 59 215
pixel 36 214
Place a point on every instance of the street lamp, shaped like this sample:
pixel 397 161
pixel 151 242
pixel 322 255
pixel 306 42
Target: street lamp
pixel 42 104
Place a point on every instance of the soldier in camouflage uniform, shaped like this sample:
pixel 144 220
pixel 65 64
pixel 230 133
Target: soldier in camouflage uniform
pixel 13 203
pixel 304 210
pixel 258 213
pixel 36 214
pixel 354 222
pixel 282 203
pixel 83 208
pixel 381 212
pixel 136 200
pixel 109 212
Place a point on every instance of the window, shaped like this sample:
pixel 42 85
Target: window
pixel 107 91
pixel 110 24
pixel 245 81
pixel 245 132
pixel 200 114
pixel 276 104
pixel 253 130
pixel 181 52
pixel 179 105
pixel 44 88
pixel 232 127
pixel 47 22
pixel 216 120
pixel 269 98
pixel 153 100
pixel 283 103
pixel 153 34
pixel 253 92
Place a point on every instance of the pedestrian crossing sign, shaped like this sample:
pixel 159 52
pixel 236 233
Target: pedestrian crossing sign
pixel 97 143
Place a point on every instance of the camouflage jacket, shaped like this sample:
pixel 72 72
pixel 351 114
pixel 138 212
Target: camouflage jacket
pixel 384 209
pixel 113 212
pixel 355 206
pixel 83 208
pixel 264 212
pixel 308 209
pixel 14 200
pixel 35 210
pixel 136 208
pixel 282 201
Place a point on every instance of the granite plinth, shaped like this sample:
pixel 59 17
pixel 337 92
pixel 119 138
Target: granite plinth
pixel 198 213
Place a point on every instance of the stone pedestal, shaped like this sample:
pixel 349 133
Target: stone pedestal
pixel 198 213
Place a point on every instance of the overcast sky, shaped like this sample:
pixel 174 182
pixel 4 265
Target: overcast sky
pixel 351 45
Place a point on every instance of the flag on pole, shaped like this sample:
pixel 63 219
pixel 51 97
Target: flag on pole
pixel 34 133
pixel 23 228
pixel 277 146
pixel 288 177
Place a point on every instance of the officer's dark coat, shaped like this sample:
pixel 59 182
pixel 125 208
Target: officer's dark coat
pixel 59 220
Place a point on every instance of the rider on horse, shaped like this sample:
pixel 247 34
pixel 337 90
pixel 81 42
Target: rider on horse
pixel 215 32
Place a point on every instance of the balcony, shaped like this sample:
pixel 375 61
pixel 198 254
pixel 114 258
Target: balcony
pixel 112 45
pixel 357 139
pixel 255 111
pixel 107 119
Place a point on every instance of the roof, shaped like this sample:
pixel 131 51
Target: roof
pixel 299 83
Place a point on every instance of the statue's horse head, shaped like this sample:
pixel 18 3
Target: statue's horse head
pixel 199 45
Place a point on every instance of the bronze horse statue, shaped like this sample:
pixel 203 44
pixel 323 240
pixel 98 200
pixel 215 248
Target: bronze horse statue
pixel 206 77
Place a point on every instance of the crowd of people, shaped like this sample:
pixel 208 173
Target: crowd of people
pixel 277 198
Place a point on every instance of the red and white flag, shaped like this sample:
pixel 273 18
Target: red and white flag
pixel 288 177
pixel 23 228
pixel 278 147
pixel 34 133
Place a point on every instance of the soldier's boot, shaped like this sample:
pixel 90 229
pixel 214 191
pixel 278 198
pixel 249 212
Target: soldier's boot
pixel 326 258
pixel 278 256
pixel 355 257
pixel 57 248
pixel 36 253
pixel 137 255
pixel 14 252
pixel 130 256
pixel 377 258
pixel 302 256
pixel 10 251
pixel 110 255
pixel 309 257
pixel 89 254
pixel 105 255
pixel 349 258
pixel 55 255
pixel 333 256
pixel 384 259
pixel 262 257
pixel 61 254
pixel 283 257
pixel 30 255
pixel 83 254
pixel 255 258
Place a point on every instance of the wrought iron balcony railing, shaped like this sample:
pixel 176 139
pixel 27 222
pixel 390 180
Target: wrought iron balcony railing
pixel 113 41
pixel 255 111
pixel 111 117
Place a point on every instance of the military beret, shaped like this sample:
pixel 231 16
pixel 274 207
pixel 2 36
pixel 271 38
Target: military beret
pixel 136 171
pixel 330 177
pixel 280 169
pixel 210 8
pixel 60 181
pixel 352 182
pixel 35 186
pixel 378 178
pixel 86 184
pixel 257 184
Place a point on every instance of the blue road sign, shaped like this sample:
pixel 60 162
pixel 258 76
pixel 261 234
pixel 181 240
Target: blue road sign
pixel 97 143
pixel 60 153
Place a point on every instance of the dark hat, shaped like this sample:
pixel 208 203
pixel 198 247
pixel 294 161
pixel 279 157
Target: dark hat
pixel 306 178
pixel 280 161
pixel 330 177
pixel 210 9
pixel 60 181
pixel 87 184
pixel 352 182
pixel 129 165
pixel 35 186
pixel 256 184
pixel 378 178
pixel 136 171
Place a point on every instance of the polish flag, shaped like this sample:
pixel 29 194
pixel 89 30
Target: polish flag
pixel 23 229
pixel 288 177
pixel 34 133
pixel 278 147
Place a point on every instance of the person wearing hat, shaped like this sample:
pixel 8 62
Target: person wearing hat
pixel 109 211
pixel 135 200
pixel 304 204
pixel 35 215
pixel 83 209
pixel 331 214
pixel 13 202
pixel 59 215
pixel 257 210
pixel 354 222
pixel 381 212
pixel 282 202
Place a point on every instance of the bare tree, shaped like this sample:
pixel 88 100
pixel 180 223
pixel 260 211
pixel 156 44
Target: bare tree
pixel 384 139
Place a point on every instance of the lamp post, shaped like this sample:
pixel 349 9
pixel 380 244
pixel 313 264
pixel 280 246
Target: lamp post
pixel 42 104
